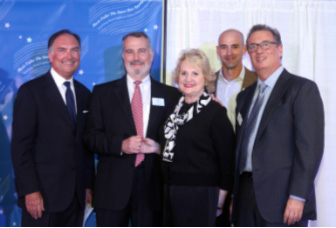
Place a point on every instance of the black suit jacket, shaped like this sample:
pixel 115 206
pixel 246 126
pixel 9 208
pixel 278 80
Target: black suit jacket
pixel 110 122
pixel 47 149
pixel 288 147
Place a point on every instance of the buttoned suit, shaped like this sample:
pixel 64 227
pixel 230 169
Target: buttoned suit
pixel 47 149
pixel 110 122
pixel 288 146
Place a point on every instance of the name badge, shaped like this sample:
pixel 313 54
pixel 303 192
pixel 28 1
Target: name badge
pixel 158 101
pixel 239 119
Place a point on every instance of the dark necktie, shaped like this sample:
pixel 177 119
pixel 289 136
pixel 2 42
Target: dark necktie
pixel 138 117
pixel 70 101
pixel 251 122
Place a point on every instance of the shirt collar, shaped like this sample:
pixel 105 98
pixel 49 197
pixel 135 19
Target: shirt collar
pixel 131 81
pixel 59 80
pixel 238 79
pixel 271 80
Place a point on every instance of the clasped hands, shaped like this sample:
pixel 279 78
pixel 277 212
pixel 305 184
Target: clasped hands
pixel 138 144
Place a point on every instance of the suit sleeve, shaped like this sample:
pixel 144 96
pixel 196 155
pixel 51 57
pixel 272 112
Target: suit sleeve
pixel 24 128
pixel 309 139
pixel 224 143
pixel 96 138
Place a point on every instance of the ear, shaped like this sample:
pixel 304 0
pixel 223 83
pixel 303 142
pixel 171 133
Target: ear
pixel 280 48
pixel 244 49
pixel 152 54
pixel 50 56
pixel 218 51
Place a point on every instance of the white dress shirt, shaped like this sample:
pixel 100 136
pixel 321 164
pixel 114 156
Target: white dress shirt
pixel 59 80
pixel 227 92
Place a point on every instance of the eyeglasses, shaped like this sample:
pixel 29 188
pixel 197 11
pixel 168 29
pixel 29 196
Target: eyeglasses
pixel 265 45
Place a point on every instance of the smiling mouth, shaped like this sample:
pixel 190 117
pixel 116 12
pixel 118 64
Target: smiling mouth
pixel 137 63
pixel 188 86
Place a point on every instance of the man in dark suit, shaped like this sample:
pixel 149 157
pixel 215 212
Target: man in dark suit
pixel 128 182
pixel 280 130
pixel 52 169
pixel 233 76
pixel 230 80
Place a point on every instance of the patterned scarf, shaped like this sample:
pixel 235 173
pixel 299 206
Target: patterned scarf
pixel 175 120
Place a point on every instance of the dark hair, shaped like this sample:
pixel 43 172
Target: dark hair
pixel 59 33
pixel 259 27
pixel 137 35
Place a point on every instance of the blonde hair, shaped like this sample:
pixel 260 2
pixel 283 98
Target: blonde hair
pixel 197 58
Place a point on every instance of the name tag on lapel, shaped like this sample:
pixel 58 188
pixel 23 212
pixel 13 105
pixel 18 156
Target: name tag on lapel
pixel 239 119
pixel 158 101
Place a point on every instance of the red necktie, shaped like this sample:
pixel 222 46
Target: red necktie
pixel 137 115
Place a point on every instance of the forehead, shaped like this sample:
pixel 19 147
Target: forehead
pixel 66 40
pixel 260 36
pixel 190 64
pixel 230 37
pixel 135 43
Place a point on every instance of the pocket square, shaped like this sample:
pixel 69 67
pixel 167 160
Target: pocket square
pixel 85 111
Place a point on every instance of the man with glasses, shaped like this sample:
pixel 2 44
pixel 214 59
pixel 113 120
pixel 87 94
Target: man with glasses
pixel 280 136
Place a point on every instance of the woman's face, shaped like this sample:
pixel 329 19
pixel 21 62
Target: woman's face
pixel 191 81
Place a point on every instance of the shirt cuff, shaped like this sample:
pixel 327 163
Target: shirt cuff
pixel 298 198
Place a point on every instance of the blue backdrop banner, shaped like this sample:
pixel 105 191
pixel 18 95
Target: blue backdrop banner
pixel 26 26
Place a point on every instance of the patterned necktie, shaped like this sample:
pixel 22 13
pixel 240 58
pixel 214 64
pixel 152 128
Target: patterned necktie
pixel 70 101
pixel 251 122
pixel 138 117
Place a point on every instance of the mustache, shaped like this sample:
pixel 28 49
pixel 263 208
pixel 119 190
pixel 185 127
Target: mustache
pixel 136 62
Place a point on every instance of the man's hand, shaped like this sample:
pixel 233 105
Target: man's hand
pixel 88 196
pixel 131 145
pixel 149 146
pixel 34 204
pixel 293 211
pixel 216 99
pixel 221 200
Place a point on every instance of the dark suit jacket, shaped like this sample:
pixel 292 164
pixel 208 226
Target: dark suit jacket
pixel 249 78
pixel 47 149
pixel 110 122
pixel 288 147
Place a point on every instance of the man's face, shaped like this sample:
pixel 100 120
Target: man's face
pixel 231 49
pixel 64 55
pixel 265 62
pixel 138 57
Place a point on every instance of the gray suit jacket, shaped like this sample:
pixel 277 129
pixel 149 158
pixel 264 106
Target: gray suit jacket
pixel 288 147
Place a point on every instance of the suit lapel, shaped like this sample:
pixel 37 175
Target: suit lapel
pixel 279 90
pixel 242 109
pixel 56 99
pixel 156 92
pixel 80 102
pixel 121 92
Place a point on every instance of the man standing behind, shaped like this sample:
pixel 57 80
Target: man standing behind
pixel 123 129
pixel 280 130
pixel 233 77
pixel 52 169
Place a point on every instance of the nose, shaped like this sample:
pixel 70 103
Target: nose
pixel 229 51
pixel 68 54
pixel 259 49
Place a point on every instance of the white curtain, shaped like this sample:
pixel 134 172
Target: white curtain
pixel 308 30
